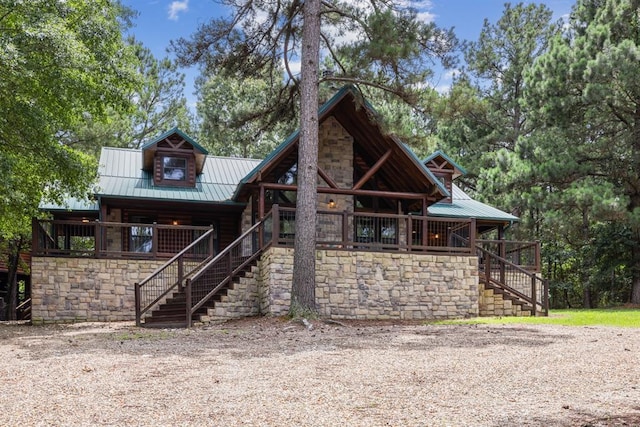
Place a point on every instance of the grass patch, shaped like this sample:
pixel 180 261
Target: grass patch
pixel 618 317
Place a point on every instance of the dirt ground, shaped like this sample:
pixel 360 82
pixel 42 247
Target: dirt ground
pixel 276 372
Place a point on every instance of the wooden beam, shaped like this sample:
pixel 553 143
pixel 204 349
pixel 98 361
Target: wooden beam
pixel 373 169
pixel 351 192
pixel 327 178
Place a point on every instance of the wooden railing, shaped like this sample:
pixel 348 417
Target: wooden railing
pixel 520 282
pixel 169 277
pixel 218 272
pixel 380 232
pixel 23 311
pixel 111 239
pixel 523 254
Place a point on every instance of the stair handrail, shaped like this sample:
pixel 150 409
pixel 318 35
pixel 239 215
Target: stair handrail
pixel 181 276
pixel 23 311
pixel 191 305
pixel 533 300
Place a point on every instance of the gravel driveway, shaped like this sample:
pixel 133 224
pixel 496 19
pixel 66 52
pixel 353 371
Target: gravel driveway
pixel 274 372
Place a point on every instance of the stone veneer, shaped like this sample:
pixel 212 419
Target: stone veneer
pixel 376 285
pixel 494 304
pixel 85 289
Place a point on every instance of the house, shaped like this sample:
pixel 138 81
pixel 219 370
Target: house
pixel 177 235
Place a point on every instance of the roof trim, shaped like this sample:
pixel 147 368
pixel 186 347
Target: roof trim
pixel 170 132
pixel 461 170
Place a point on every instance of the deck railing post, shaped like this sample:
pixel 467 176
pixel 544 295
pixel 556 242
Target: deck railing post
pixel 538 260
pixel 472 235
pixel 409 231
pixel 97 239
pixel 487 267
pixel 345 228
pixel 180 271
pixel 276 225
pixel 136 287
pixel 188 302
pixel 154 239
pixel 211 242
pixel 533 294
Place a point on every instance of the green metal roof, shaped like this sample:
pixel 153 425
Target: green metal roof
pixel 122 177
pixel 463 206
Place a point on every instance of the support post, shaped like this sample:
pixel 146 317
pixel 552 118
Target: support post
pixel 276 225
pixel 409 232
pixel 345 228
pixel 97 239
pixel 533 295
pixel 136 287
pixel 188 302
pixel 154 239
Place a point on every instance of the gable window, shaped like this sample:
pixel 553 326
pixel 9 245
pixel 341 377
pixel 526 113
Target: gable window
pixel 174 168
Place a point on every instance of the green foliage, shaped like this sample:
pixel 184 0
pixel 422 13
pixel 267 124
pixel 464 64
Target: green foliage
pixel 228 110
pixel 60 62
pixel 585 91
pixel 156 104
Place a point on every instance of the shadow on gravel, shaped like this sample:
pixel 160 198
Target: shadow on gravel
pixel 264 337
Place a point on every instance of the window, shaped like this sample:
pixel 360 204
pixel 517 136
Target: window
pixel 174 168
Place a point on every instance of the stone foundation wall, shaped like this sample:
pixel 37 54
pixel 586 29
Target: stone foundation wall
pixel 371 285
pixel 85 289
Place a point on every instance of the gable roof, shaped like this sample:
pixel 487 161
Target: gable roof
pixel 353 118
pixel 177 136
pixel 463 206
pixel 444 160
pixel 121 177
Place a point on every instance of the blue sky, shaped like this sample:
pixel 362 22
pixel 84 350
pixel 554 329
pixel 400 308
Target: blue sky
pixel 160 21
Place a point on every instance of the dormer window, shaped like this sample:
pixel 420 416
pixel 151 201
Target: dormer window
pixel 174 168
pixel 173 159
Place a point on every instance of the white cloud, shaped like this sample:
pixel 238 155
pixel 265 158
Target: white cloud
pixel 177 7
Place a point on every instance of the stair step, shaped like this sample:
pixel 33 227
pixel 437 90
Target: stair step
pixel 172 312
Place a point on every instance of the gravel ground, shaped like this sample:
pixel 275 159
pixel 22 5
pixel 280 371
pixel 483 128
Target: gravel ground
pixel 274 372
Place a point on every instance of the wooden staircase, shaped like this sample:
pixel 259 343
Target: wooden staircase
pixel 180 293
pixel 522 288
pixel 172 313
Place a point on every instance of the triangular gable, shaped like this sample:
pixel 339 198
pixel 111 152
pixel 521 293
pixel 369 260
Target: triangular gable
pixel 174 138
pixel 357 120
pixel 440 161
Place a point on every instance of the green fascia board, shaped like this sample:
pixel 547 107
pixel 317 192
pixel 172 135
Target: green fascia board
pixel 322 110
pixel 426 170
pixel 71 204
pixel 171 132
pixel 447 158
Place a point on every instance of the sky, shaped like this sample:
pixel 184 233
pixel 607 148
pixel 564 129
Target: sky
pixel 160 21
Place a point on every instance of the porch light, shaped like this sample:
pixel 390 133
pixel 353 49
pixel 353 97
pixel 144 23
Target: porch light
pixel 331 204
pixel 85 220
pixel 174 222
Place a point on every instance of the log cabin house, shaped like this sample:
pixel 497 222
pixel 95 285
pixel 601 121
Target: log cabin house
pixel 177 236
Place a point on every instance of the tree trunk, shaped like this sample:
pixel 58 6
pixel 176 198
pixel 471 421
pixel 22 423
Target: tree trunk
pixel 303 291
pixel 635 269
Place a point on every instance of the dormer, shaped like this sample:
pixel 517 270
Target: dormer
pixel 444 169
pixel 173 159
